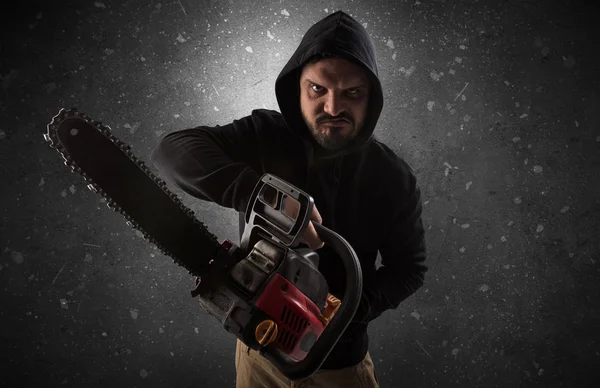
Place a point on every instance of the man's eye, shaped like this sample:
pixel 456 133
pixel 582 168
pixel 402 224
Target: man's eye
pixel 316 88
pixel 353 91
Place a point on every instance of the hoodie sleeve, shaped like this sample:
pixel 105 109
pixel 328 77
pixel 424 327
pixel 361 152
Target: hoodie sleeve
pixel 218 164
pixel 403 253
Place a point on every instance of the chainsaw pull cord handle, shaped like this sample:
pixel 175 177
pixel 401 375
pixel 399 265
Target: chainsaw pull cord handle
pixel 298 370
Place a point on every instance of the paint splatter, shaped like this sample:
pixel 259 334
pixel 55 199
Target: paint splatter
pixel 538 42
pixel 269 35
pixel 516 139
pixel 484 288
pixel 144 373
pixel 462 250
pixel 517 200
pixel 390 43
pixel 249 49
pixel 17 257
pixel 503 239
pixel 99 5
pixel 569 61
pixel 540 228
pixel 565 209
pixel 64 304
pixel 468 185
pixel 467 118
pixel 538 169
pixel 545 51
pixel 180 38
pixel 430 105
pixel 285 12
pixel 435 76
pixel 132 128
pixel 415 315
pixel 133 313
pixel 408 72
pixel 448 168
pixel 458 60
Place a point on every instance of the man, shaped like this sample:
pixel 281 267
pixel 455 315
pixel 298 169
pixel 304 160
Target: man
pixel 330 99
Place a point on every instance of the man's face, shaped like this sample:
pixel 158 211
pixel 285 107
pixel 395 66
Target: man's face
pixel 333 99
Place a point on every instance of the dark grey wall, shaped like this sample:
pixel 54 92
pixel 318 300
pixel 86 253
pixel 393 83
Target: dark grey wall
pixel 494 103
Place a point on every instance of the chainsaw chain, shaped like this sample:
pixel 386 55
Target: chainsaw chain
pixel 52 139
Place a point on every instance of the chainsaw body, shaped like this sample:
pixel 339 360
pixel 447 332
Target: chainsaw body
pixel 274 299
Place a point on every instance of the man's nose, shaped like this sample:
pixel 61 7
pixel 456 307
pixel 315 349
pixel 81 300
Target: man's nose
pixel 333 104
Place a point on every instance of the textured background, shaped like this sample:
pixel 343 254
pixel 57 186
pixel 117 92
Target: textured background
pixel 494 103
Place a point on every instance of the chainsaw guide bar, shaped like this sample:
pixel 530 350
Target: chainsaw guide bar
pixel 111 169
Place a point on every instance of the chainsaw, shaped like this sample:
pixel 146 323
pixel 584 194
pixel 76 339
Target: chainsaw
pixel 268 292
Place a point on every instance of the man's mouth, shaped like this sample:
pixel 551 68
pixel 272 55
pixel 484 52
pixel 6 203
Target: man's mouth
pixel 335 122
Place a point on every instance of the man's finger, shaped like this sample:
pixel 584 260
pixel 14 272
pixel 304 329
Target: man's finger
pixel 312 238
pixel 316 216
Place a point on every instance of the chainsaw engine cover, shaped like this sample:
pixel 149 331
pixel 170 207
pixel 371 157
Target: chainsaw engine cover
pixel 276 284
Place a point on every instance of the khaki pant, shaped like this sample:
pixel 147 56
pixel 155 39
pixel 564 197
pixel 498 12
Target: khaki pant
pixel 255 371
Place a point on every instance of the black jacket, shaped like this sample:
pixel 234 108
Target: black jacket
pixel 366 193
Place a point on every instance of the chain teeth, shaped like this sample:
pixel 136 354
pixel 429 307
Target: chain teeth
pixel 52 140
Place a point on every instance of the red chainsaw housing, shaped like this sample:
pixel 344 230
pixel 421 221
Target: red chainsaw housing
pixel 295 314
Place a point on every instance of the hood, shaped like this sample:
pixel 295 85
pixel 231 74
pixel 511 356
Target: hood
pixel 344 37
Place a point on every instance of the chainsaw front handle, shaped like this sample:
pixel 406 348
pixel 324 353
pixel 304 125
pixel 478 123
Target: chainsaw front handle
pixel 264 219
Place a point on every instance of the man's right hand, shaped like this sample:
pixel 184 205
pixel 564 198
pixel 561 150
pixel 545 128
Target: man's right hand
pixel 310 236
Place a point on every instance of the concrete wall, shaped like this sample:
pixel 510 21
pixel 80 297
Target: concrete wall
pixel 494 104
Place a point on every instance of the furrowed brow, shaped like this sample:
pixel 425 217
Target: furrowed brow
pixel 362 85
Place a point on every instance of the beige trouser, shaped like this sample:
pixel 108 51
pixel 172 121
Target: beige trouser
pixel 255 371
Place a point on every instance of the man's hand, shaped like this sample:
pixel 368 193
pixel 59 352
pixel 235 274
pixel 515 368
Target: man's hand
pixel 291 208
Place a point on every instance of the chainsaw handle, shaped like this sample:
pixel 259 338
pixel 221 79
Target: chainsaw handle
pixel 298 370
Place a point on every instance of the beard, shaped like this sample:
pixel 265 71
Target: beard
pixel 330 137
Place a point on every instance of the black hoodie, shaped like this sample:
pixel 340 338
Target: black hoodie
pixel 365 192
